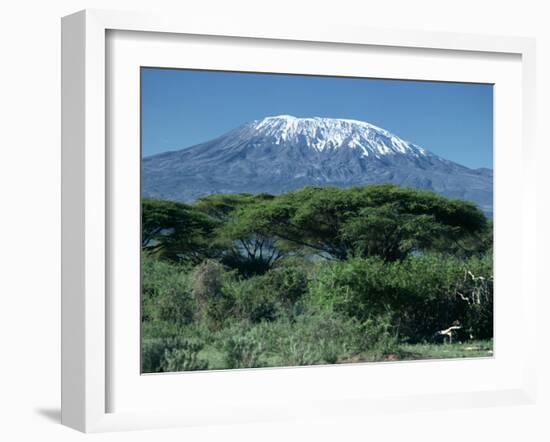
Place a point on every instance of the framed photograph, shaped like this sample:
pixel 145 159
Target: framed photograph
pixel 264 223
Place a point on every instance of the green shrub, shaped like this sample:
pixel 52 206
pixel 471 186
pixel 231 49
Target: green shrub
pixel 421 293
pixel 152 354
pixel 299 352
pixel 183 357
pixel 318 338
pixel 379 338
pixel 267 297
pixel 253 300
pixel 289 282
pixel 243 350
pixel 166 293
pixel 171 354
pixel 308 311
pixel 208 280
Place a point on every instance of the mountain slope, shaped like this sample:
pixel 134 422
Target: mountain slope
pixel 281 153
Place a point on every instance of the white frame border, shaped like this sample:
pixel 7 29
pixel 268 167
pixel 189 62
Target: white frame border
pixel 84 205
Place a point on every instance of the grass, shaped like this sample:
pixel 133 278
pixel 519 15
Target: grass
pixel 215 358
pixel 470 349
pixel 405 352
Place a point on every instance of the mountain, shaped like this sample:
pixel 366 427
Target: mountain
pixel 283 152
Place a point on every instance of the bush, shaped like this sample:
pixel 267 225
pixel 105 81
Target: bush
pixel 166 293
pixel 379 338
pixel 307 312
pixel 267 297
pixel 152 354
pixel 183 357
pixel 421 293
pixel 208 281
pixel 253 300
pixel 171 354
pixel 318 338
pixel 289 282
pixel 243 350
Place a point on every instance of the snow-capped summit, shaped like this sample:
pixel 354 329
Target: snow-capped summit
pixel 333 133
pixel 280 153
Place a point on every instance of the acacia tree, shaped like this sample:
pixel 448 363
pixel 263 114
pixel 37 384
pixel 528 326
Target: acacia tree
pixel 177 231
pixel 221 205
pixel 384 231
pixel 245 239
pixel 253 231
pixel 253 249
pixel 376 220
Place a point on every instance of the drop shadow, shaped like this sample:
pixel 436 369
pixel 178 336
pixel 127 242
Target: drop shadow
pixel 51 414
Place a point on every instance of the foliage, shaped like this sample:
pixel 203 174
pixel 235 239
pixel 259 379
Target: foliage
pixel 208 291
pixel 253 301
pixel 171 354
pixel 243 350
pixel 246 240
pixel 289 282
pixel 377 220
pixel 388 233
pixel 183 357
pixel 421 293
pixel 221 205
pixel 252 232
pixel 313 276
pixel 176 231
pixel 267 297
pixel 166 293
pixel 379 337
pixel 319 338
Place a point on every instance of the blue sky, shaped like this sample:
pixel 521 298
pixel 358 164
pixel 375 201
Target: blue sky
pixel 181 108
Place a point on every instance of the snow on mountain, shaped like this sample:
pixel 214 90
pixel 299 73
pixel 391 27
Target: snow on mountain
pixel 280 153
pixel 332 133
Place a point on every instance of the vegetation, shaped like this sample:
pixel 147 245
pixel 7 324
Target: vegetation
pixel 314 276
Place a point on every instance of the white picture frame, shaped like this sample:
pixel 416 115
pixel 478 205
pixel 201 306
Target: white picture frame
pixel 87 205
